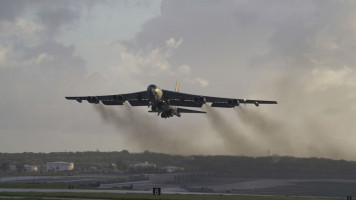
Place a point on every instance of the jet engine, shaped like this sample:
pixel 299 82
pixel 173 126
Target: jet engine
pixel 233 102
pixel 93 100
pixel 256 103
pixel 200 100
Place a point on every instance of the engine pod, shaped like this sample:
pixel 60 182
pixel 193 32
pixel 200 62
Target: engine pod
pixel 201 100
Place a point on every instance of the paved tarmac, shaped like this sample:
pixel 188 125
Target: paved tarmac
pixel 133 192
pixel 264 187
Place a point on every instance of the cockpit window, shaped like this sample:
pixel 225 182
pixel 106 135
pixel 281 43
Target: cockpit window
pixel 152 86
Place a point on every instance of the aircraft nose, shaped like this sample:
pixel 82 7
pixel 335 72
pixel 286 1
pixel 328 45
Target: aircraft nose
pixel 151 88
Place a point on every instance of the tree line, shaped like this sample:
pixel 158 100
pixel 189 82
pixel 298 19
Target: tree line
pixel 235 166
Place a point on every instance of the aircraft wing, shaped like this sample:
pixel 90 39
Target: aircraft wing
pixel 192 100
pixel 135 99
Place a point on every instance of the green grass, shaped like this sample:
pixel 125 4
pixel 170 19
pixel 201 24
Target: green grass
pixel 39 195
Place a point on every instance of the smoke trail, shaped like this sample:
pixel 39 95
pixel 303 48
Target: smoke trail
pixel 311 119
pixel 144 133
pixel 273 134
pixel 311 138
pixel 235 141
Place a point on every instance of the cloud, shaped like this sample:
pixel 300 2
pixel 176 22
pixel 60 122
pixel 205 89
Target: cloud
pixel 10 9
pixel 36 72
pixel 155 62
pixel 54 18
pixel 172 43
pixel 40 59
pixel 21 30
pixel 184 69
pixel 325 79
pixel 3 56
pixel 202 82
pixel 148 62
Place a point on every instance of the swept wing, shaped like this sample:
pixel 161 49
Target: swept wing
pixel 135 99
pixel 192 100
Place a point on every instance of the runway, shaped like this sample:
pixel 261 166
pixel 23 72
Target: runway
pixel 263 187
pixel 138 192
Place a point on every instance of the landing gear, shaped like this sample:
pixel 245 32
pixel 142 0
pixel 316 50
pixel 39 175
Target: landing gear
pixel 167 114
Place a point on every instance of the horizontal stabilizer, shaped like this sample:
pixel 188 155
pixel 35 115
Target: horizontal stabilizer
pixel 185 103
pixel 183 110
pixel 256 101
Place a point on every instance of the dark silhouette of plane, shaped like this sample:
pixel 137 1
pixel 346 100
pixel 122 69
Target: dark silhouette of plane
pixel 166 102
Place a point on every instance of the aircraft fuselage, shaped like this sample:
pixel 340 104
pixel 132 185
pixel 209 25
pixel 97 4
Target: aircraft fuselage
pixel 159 104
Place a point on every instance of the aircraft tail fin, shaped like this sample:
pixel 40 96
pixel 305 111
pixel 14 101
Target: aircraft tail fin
pixel 177 86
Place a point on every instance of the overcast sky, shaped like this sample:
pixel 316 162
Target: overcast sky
pixel 300 53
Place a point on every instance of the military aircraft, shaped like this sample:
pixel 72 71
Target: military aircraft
pixel 166 102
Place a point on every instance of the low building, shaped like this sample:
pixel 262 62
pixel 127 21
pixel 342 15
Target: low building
pixel 60 166
pixel 142 165
pixel 13 168
pixel 142 168
pixel 31 168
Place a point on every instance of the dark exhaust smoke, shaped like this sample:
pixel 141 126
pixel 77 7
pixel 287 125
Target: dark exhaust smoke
pixel 271 134
pixel 141 132
pixel 311 119
pixel 234 138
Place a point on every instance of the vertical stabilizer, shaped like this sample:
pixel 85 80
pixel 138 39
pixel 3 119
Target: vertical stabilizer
pixel 177 86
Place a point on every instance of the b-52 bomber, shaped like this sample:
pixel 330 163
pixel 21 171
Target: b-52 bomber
pixel 166 102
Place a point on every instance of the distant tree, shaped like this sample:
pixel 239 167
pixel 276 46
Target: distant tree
pixel 121 165
pixel 125 152
pixel 20 167
pixel 5 166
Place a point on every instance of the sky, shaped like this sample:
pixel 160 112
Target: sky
pixel 298 52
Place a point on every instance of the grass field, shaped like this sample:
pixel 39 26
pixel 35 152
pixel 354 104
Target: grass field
pixel 39 195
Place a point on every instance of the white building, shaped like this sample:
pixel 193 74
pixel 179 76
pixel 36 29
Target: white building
pixel 145 165
pixel 142 168
pixel 31 168
pixel 60 166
